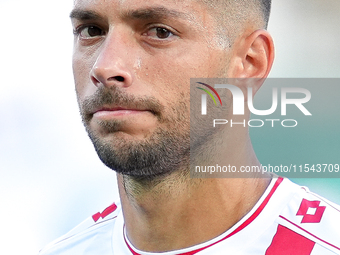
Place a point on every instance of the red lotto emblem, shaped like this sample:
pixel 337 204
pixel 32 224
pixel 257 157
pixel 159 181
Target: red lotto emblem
pixel 311 211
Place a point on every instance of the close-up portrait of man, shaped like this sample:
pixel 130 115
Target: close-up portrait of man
pixel 172 97
pixel 132 64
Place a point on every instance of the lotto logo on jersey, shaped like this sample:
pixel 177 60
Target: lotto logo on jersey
pixel 311 211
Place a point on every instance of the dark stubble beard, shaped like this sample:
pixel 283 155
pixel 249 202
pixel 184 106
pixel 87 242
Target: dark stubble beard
pixel 165 151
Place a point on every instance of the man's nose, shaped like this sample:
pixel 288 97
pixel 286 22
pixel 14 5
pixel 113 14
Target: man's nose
pixel 111 67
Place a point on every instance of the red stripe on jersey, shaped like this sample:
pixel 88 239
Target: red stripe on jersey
pixel 130 248
pixel 287 241
pixel 310 233
pixel 242 226
pixel 105 213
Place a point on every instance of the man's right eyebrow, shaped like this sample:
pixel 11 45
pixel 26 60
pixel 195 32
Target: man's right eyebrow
pixel 155 13
pixel 84 15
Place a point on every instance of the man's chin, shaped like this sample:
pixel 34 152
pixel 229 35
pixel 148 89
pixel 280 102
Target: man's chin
pixel 121 131
pixel 143 158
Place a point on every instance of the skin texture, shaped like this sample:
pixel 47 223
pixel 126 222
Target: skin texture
pixel 132 64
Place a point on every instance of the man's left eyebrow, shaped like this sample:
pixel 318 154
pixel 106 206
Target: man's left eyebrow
pixel 155 13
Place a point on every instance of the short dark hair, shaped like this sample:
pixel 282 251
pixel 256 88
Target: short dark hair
pixel 233 16
pixel 261 8
pixel 266 8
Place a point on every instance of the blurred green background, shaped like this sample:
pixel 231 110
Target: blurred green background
pixel 306 34
pixel 315 140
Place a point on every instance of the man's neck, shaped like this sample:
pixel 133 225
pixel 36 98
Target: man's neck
pixel 178 212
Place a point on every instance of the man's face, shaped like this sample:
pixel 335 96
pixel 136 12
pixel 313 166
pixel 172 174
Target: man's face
pixel 132 64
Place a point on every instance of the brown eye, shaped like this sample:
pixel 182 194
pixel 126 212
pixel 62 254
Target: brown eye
pixel 159 33
pixel 162 33
pixel 90 31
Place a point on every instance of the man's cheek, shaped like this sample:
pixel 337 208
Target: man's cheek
pixel 83 83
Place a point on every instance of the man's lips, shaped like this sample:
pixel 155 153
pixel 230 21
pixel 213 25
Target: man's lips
pixel 109 112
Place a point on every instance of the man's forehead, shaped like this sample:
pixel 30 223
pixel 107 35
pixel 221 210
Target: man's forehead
pixel 184 6
pixel 123 3
pixel 190 10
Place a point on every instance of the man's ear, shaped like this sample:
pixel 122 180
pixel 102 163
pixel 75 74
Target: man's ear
pixel 253 56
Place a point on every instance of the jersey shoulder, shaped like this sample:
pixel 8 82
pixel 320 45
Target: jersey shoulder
pixel 311 220
pixel 94 231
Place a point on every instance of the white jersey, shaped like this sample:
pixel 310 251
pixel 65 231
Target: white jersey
pixel 288 219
